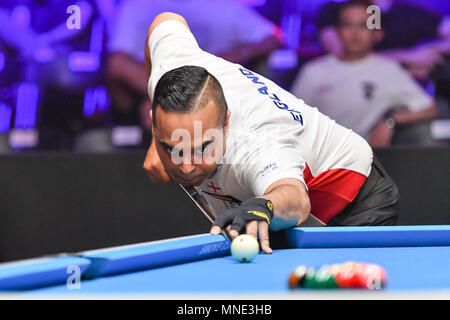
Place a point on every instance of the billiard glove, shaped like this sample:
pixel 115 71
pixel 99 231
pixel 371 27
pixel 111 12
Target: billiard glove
pixel 254 209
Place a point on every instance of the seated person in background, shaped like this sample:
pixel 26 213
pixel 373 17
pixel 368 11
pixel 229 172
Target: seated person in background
pixel 36 36
pixel 359 89
pixel 39 45
pixel 414 36
pixel 224 28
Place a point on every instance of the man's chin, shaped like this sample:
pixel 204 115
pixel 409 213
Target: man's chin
pixel 195 182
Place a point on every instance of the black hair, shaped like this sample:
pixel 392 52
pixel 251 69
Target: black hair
pixel 187 88
pixel 342 6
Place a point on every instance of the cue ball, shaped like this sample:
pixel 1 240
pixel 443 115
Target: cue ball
pixel 244 248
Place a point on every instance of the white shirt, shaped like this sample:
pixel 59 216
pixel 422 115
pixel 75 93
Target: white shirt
pixel 262 113
pixel 357 94
pixel 219 25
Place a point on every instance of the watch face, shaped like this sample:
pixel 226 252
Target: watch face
pixel 390 122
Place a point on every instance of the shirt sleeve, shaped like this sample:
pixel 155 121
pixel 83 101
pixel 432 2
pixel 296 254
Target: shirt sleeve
pixel 169 40
pixel 171 45
pixel 407 93
pixel 269 161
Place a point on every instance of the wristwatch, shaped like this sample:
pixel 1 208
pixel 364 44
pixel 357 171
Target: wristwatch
pixel 389 120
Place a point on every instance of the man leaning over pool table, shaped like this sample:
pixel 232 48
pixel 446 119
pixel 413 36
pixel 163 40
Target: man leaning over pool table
pixel 261 157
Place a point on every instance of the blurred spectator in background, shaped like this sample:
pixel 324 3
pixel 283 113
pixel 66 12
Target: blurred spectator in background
pixel 34 28
pixel 414 36
pixel 45 91
pixel 222 27
pixel 359 89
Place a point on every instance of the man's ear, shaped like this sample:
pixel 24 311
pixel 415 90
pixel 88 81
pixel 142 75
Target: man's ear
pixel 227 118
pixel 378 35
pixel 150 113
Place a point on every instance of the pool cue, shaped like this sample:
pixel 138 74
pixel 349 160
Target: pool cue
pixel 312 221
pixel 202 204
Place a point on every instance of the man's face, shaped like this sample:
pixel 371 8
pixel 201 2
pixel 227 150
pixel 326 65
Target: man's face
pixel 190 145
pixel 356 38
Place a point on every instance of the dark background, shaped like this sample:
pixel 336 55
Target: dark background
pixel 54 203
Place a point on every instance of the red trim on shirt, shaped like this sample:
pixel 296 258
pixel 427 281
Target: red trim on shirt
pixel 331 191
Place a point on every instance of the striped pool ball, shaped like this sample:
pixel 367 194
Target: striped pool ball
pixel 297 277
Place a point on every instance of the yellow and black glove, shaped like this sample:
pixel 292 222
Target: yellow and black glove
pixel 254 209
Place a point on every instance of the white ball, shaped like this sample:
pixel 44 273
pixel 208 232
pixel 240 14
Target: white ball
pixel 244 248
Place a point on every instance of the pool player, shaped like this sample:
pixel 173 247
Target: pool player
pixel 260 156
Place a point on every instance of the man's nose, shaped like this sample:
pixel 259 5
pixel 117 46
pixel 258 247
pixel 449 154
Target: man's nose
pixel 187 167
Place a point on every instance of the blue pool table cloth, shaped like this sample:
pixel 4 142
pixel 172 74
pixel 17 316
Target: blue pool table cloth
pixel 415 259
